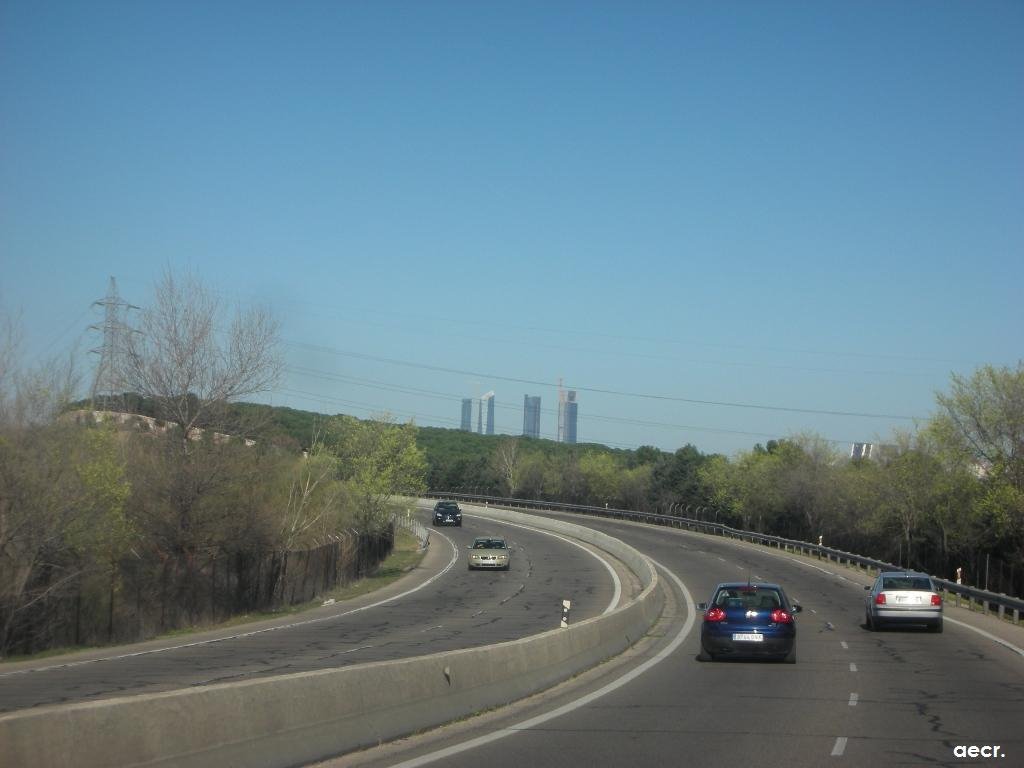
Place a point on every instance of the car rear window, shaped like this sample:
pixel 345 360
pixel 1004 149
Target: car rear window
pixel 489 544
pixel 912 583
pixel 749 599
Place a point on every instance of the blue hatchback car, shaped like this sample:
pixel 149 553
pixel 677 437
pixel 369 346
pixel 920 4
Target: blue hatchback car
pixel 749 620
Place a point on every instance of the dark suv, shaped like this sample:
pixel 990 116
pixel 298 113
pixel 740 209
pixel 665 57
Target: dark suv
pixel 447 513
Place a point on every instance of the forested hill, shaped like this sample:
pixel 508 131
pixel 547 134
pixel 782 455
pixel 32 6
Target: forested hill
pixel 455 459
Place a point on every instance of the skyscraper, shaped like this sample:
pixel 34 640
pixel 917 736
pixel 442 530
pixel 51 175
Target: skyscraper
pixel 467 414
pixel 486 402
pixel 531 416
pixel 566 415
pixel 570 417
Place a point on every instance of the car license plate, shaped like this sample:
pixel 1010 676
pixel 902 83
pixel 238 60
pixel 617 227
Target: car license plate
pixel 748 637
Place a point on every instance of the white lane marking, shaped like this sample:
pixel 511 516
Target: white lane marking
pixel 840 747
pixel 581 702
pixel 353 650
pixel 853 667
pixel 617 591
pixel 759 578
pixel 845 645
pixel 815 567
pixel 722 559
pixel 439 574
pixel 1005 643
pixel 853 699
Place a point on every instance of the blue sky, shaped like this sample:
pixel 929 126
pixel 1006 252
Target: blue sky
pixel 810 206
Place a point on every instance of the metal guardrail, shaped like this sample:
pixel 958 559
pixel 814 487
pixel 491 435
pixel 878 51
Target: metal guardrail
pixel 995 602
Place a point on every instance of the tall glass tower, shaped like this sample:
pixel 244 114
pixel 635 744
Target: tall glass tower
pixel 566 416
pixel 531 416
pixel 486 403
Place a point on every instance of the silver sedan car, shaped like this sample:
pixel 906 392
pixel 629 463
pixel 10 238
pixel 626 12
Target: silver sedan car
pixel 489 552
pixel 903 597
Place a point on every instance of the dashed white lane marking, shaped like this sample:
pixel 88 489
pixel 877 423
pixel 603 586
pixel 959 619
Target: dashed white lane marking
pixel 853 667
pixel 332 617
pixel 853 699
pixel 845 645
pixel 580 702
pixel 840 746
pixel 723 559
pixel 616 583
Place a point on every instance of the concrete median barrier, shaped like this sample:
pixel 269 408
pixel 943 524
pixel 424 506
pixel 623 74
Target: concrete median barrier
pixel 299 718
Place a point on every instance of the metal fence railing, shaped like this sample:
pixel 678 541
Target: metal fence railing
pixel 409 523
pixel 1005 606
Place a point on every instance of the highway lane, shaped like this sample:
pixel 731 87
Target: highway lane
pixel 854 697
pixel 460 609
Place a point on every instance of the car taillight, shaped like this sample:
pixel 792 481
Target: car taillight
pixel 880 598
pixel 936 600
pixel 714 614
pixel 780 616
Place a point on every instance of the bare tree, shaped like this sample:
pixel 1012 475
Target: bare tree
pixel 189 364
pixel 313 496
pixel 506 462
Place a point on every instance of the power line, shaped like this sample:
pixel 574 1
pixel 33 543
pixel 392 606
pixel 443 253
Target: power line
pixel 599 390
pixel 589 417
pixel 478 322
pixel 376 384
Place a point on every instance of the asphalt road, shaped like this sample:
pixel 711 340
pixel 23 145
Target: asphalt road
pixel 854 698
pixel 460 609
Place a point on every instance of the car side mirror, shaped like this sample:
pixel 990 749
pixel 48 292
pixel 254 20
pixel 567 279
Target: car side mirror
pixel 702 606
pixel 867 588
pixel 797 608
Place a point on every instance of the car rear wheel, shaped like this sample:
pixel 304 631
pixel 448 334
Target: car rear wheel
pixel 704 656
pixel 868 621
pixel 936 627
pixel 790 658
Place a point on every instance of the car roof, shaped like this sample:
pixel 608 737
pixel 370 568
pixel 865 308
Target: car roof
pixel 904 573
pixel 746 585
pixel 489 538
